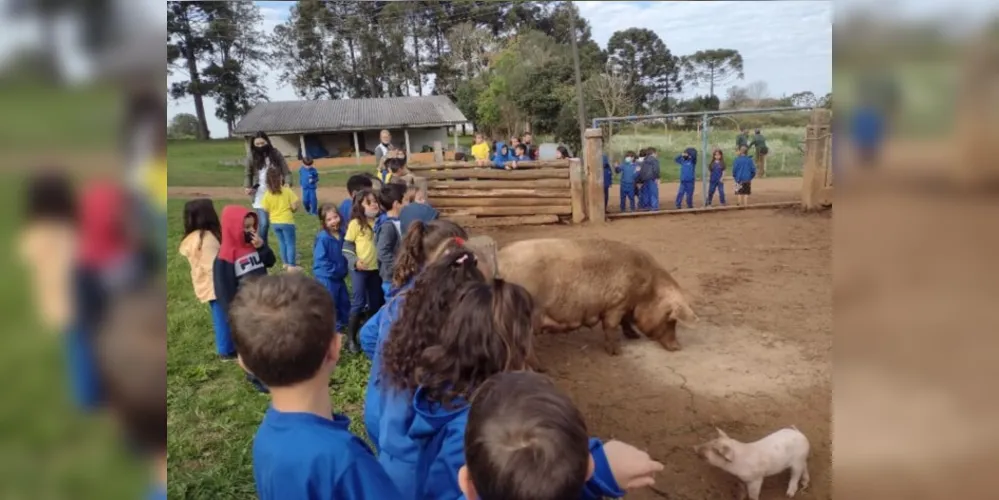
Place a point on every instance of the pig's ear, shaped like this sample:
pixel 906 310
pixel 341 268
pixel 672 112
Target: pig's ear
pixel 721 433
pixel 726 452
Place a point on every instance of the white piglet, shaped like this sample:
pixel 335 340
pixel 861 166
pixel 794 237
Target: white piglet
pixel 752 462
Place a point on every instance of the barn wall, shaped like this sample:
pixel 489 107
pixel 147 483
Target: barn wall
pixel 368 140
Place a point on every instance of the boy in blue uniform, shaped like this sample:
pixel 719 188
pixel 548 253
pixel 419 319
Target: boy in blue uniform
pixel 649 175
pixel 308 177
pixel 354 184
pixel 608 180
pixel 628 173
pixel 687 162
pixel 283 327
pixel 743 172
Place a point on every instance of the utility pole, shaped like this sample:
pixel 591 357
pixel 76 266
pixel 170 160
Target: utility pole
pixel 579 81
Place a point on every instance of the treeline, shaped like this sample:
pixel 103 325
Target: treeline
pixel 507 65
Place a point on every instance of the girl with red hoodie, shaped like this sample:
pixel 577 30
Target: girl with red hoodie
pixel 243 254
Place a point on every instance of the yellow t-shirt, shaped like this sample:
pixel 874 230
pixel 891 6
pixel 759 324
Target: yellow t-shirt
pixel 278 206
pixel 480 151
pixel 364 244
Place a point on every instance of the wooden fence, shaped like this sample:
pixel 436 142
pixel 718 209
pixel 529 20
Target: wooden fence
pixel 817 177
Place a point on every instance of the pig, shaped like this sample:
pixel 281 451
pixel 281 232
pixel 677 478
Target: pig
pixel 591 282
pixel 752 462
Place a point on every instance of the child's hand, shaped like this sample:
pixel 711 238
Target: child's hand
pixel 256 241
pixel 632 468
pixel 360 266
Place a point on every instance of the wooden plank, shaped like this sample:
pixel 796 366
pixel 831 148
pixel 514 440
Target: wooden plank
pixel 507 221
pixel 595 209
pixel 438 153
pixel 577 196
pixel 474 184
pixel 501 193
pixel 493 173
pixel 441 202
pixel 457 165
pixel 703 210
pixel 497 211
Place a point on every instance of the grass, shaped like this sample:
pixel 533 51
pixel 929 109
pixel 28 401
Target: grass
pixel 213 411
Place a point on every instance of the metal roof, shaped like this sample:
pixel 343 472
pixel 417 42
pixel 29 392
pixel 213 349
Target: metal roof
pixel 350 114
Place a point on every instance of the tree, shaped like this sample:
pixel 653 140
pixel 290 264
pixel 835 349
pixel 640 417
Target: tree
pixel 185 40
pixel 827 101
pixel 232 76
pixel 757 91
pixel 611 92
pixel 311 56
pixel 804 99
pixel 640 57
pixel 712 68
pixel 737 97
pixel 183 126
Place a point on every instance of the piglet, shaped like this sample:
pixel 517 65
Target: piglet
pixel 752 462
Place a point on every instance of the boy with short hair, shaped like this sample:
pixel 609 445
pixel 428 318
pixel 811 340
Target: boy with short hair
pixel 417 208
pixel 388 230
pixel 284 328
pixel 355 183
pixel 743 172
pixel 480 150
pixel 649 174
pixel 308 178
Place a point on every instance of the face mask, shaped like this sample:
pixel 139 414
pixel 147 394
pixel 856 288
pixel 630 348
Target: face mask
pixel 371 213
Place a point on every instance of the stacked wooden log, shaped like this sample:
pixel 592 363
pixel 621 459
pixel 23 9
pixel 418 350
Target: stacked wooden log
pixel 535 192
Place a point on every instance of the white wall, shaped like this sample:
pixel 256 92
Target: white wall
pixel 368 140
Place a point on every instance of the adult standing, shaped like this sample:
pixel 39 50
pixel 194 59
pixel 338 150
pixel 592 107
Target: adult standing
pixel 741 140
pixel 532 150
pixel 263 156
pixel 760 143
pixel 383 147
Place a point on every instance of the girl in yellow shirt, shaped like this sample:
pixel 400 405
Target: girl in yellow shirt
pixel 281 203
pixel 362 261
pixel 202 239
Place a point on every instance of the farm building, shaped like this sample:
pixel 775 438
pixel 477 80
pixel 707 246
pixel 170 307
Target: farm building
pixel 350 127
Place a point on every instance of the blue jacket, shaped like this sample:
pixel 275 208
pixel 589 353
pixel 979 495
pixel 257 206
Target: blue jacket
pixel 308 177
pixel 441 432
pixel 301 455
pixel 743 169
pixel 608 174
pixel 502 155
pixel 867 127
pixel 413 212
pixel 688 168
pixel 628 173
pixel 327 257
pixel 345 206
pixel 717 169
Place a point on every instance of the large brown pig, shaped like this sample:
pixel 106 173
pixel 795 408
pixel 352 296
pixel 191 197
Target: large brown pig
pixel 589 282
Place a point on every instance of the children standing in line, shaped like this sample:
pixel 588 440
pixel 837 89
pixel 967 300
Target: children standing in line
pixel 628 173
pixel 502 156
pixel 480 150
pixel 649 174
pixel 201 243
pixel 281 203
pixel 329 266
pixel 284 330
pixel 743 172
pixel 308 177
pixel 362 258
pixel 717 169
pixel 526 439
pixel 354 184
pixel 388 231
pixel 688 164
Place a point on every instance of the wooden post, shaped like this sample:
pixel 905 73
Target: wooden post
pixel 456 137
pixel 576 191
pixel 301 144
pixel 357 150
pixel 818 139
pixel 438 152
pixel 594 174
pixel 405 132
pixel 249 147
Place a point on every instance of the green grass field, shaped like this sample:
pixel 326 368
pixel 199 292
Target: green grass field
pixel 213 411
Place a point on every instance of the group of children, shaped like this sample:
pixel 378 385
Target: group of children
pixel 503 156
pixel 640 176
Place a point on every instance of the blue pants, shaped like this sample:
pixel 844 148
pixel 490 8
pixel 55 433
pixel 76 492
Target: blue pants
pixel 721 191
pixel 686 191
pixel 651 192
pixel 223 336
pixel 367 291
pixel 640 192
pixel 628 193
pixel 606 196
pixel 341 300
pixel 263 223
pixel 310 201
pixel 82 369
pixel 286 242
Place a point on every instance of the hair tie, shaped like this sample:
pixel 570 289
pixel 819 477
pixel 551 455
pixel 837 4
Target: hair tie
pixel 459 241
pixel 462 259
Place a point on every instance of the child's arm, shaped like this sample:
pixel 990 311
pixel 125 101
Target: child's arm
pixel 267 256
pixel 369 334
pixel 363 479
pixel 752 169
pixel 349 245
pixel 440 479
pixel 293 198
pixel 385 245
pixel 319 252
pixel 602 483
pixel 224 280
pixel 679 159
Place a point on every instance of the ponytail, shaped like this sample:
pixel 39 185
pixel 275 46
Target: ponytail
pixel 422 242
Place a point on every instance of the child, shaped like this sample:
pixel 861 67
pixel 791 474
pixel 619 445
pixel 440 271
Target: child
pixel 354 184
pixel 489 330
pixel 608 180
pixel 526 440
pixel 649 174
pixel 639 185
pixel 628 173
pixel 329 266
pixel 743 172
pixel 480 151
pixel 202 235
pixel 242 256
pixel 281 204
pixel 284 327
pixel 362 260
pixel 308 177
pixel 561 153
pixel 502 156
pixel 717 173
pixel 417 209
pixel 760 143
pixel 520 153
pixel 388 231
pixel 688 165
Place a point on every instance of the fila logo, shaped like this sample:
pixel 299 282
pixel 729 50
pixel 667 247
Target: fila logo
pixel 248 263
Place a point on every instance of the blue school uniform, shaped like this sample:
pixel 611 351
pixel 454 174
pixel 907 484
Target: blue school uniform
pixel 308 178
pixel 415 212
pixel 305 456
pixel 329 266
pixel 717 169
pixel 867 131
pixel 441 431
pixel 649 175
pixel 628 173
pixel 608 179
pixel 687 169
pixel 345 207
pixel 743 169
pixel 502 155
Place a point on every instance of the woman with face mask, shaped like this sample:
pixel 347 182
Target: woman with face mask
pixel 263 156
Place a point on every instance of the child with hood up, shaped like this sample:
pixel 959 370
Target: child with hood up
pixel 688 165
pixel 501 156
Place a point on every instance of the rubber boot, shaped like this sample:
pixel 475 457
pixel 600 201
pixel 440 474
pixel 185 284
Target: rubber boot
pixel 353 327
